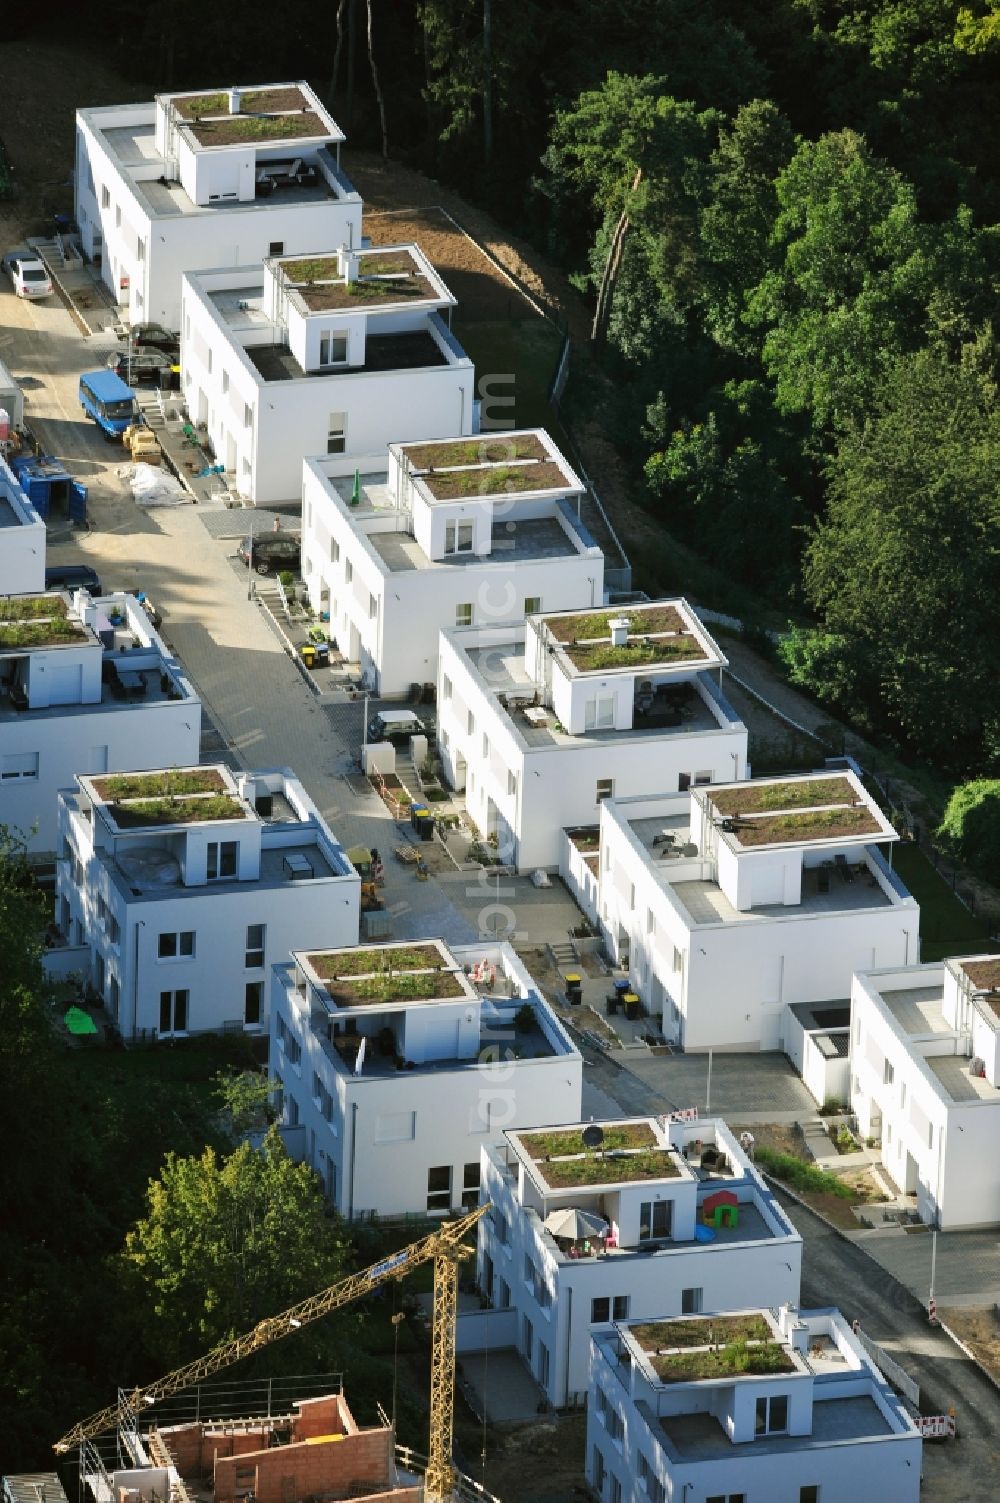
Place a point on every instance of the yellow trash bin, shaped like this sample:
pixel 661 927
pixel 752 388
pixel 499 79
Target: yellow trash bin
pixel 308 652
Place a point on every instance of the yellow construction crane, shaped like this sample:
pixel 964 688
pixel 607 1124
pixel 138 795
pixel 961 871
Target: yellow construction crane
pixel 445 1247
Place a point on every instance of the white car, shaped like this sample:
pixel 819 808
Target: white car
pixel 27 273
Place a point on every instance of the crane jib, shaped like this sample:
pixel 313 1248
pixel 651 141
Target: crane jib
pixel 380 1270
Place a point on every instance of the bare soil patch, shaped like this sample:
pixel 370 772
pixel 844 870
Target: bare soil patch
pixel 781 1137
pixel 979 1327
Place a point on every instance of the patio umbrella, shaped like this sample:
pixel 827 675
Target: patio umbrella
pixel 356 492
pixel 79 1022
pixel 575 1226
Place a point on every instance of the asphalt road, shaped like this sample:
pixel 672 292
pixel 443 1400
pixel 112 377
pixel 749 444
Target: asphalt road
pixel 838 1272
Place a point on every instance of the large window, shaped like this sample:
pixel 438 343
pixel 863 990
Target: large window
pixel 463 615
pixel 253 1005
pixel 458 537
pixel 176 946
pixel 656 1218
pixel 532 605
pixel 255 947
pixel 691 1301
pixel 470 1186
pixel 771 1416
pixel 333 349
pixel 439 1188
pixel 19 765
pixel 336 433
pixel 650 1482
pixel 222 860
pixel 605 789
pixel 599 714
pixel 174 1012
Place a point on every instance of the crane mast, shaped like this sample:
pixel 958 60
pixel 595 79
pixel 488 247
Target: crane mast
pixel 445 1247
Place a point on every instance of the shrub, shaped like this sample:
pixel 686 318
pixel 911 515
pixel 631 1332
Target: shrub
pixel 524 1018
pixel 800 1175
pixel 971 826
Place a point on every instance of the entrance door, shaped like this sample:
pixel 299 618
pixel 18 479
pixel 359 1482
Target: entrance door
pixel 912 1177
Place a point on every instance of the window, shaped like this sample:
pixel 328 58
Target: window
pixel 19 765
pixel 620 1307
pixel 809 1493
pixel 210 360
pixel 458 537
pixel 691 1301
pixel 439 1188
pixel 678 960
pixel 99 973
pixel 118 216
pixel 650 921
pixel 470 723
pixel 334 551
pixel 600 1311
pixel 176 946
pixel 543 1364
pixel 225 382
pixel 173 1012
pixel 703 777
pixel 333 350
pixel 463 615
pixel 276 248
pixel 445 687
pixel 614 1488
pixel 605 788
pixel 372 607
pixel 222 859
pixel 140 250
pixel 683 781
pixel 511 783
pixel 336 433
pixel 254 958
pixel 532 605
pixel 501 1227
pixel 114 994
pixel 649 1482
pixel 247 415
pixel 930 1135
pixel 105 198
pixel 253 1004
pixel 598 1472
pixel 656 1218
pixel 470 1186
pixel 727 1498
pixel 902 1094
pixel 503 1295
pixel 348 571
pixel 486 747
pixel 599 714
pixel 772 1415
pixel 888 1073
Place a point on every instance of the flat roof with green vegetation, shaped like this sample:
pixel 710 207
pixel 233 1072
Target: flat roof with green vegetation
pixel 811 824
pixel 331 964
pixel 281 113
pixel 31 607
pixel 165 784
pixel 793 793
pixel 616 1167
pixel 493 480
pixel 570 1140
pixel 197 809
pixel 57 631
pixel 737 1359
pixel 712 1330
pixel 984 974
pixel 383 988
pixel 659 636
pixel 383 278
pixel 487 448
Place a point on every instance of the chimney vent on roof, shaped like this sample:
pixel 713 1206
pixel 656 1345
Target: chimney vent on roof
pixel 235 100
pixel 348 262
pixel 618 627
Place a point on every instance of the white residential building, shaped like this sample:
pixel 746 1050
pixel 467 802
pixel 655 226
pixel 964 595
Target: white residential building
pixel 191 180
pixel 86 685
pixel 400 1061
pixel 540 723
pixel 733 902
pixel 448 531
pixel 690 1221
pixel 185 885
pixel 339 353
pixel 759 1406
pixel 22 537
pixel 925 1082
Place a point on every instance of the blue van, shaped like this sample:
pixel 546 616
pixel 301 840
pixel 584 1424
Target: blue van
pixel 105 397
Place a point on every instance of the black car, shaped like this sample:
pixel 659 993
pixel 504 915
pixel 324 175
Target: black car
pixel 272 553
pixel 73 577
pixel 155 337
pixel 142 367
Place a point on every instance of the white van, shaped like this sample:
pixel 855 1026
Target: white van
pixel 396 726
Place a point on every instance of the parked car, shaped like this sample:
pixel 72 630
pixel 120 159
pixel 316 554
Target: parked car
pixel 156 337
pixel 141 368
pixel 271 553
pixel 28 274
pixel 397 726
pixel 73 577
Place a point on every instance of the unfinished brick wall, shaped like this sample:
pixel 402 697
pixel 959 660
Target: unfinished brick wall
pixel 325 1416
pixel 194 1451
pixel 306 1468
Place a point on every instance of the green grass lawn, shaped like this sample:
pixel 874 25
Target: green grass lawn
pixel 528 349
pixel 946 925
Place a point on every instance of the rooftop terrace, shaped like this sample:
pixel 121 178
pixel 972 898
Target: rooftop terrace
pixel 513 541
pixel 918 1013
pixel 700 1437
pixel 413 350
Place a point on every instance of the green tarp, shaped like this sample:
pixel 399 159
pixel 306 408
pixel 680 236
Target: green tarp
pixel 79 1022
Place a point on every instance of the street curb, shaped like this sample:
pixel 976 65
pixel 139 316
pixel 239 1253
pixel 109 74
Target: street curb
pixel 941 1326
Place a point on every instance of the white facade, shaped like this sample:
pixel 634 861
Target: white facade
pixel 538 739
pixel 186 900
pixel 283 360
pixel 401 562
pixel 156 198
pixel 659 1263
pixel 22 535
pixel 401 1132
pixel 925 1082
pixel 720 935
pixel 826 1425
pixel 64 708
